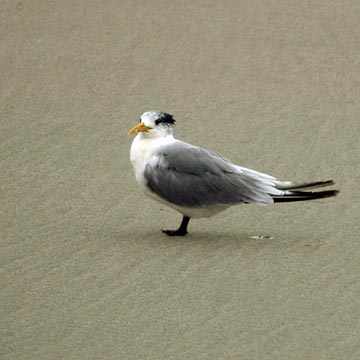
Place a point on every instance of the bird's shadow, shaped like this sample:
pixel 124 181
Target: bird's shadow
pixel 243 238
pixel 205 238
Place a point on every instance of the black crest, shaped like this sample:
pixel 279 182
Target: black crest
pixel 165 118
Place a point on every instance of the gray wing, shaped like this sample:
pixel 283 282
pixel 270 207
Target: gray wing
pixel 190 176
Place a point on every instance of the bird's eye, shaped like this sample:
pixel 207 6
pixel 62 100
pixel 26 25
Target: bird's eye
pixel 140 121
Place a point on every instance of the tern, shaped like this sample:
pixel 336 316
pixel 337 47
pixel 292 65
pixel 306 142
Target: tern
pixel 200 183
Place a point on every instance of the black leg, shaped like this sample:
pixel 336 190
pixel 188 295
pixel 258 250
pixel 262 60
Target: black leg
pixel 181 231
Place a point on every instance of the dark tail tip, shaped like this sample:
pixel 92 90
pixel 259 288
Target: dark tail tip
pixel 305 195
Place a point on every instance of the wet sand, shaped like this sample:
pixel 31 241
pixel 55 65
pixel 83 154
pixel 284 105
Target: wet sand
pixel 86 272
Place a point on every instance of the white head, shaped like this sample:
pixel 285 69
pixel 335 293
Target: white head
pixel 154 124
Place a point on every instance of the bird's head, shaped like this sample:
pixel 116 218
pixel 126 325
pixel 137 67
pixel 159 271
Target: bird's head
pixel 154 124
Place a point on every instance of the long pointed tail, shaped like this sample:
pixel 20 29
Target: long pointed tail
pixel 294 192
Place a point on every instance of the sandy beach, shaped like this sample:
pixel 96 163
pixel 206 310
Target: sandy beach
pixel 86 272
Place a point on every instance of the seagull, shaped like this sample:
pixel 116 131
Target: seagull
pixel 200 183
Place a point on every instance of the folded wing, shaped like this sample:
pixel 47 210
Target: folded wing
pixel 187 175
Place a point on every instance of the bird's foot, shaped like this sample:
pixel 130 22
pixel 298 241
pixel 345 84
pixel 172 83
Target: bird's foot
pixel 181 231
pixel 178 232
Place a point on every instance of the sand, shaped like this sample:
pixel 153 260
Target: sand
pixel 85 271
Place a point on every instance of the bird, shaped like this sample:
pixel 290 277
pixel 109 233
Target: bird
pixel 199 183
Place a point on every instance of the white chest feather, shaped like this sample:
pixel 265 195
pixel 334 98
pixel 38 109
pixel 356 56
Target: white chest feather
pixel 143 151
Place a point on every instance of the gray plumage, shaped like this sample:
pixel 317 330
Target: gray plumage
pixel 191 176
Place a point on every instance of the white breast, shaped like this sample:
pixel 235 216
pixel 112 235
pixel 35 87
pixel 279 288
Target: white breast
pixel 143 150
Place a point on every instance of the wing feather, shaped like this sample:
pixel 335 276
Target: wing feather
pixel 187 175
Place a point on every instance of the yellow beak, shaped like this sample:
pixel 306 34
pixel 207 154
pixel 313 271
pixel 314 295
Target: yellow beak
pixel 139 128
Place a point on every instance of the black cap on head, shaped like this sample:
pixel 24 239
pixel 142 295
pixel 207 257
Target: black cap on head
pixel 165 118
